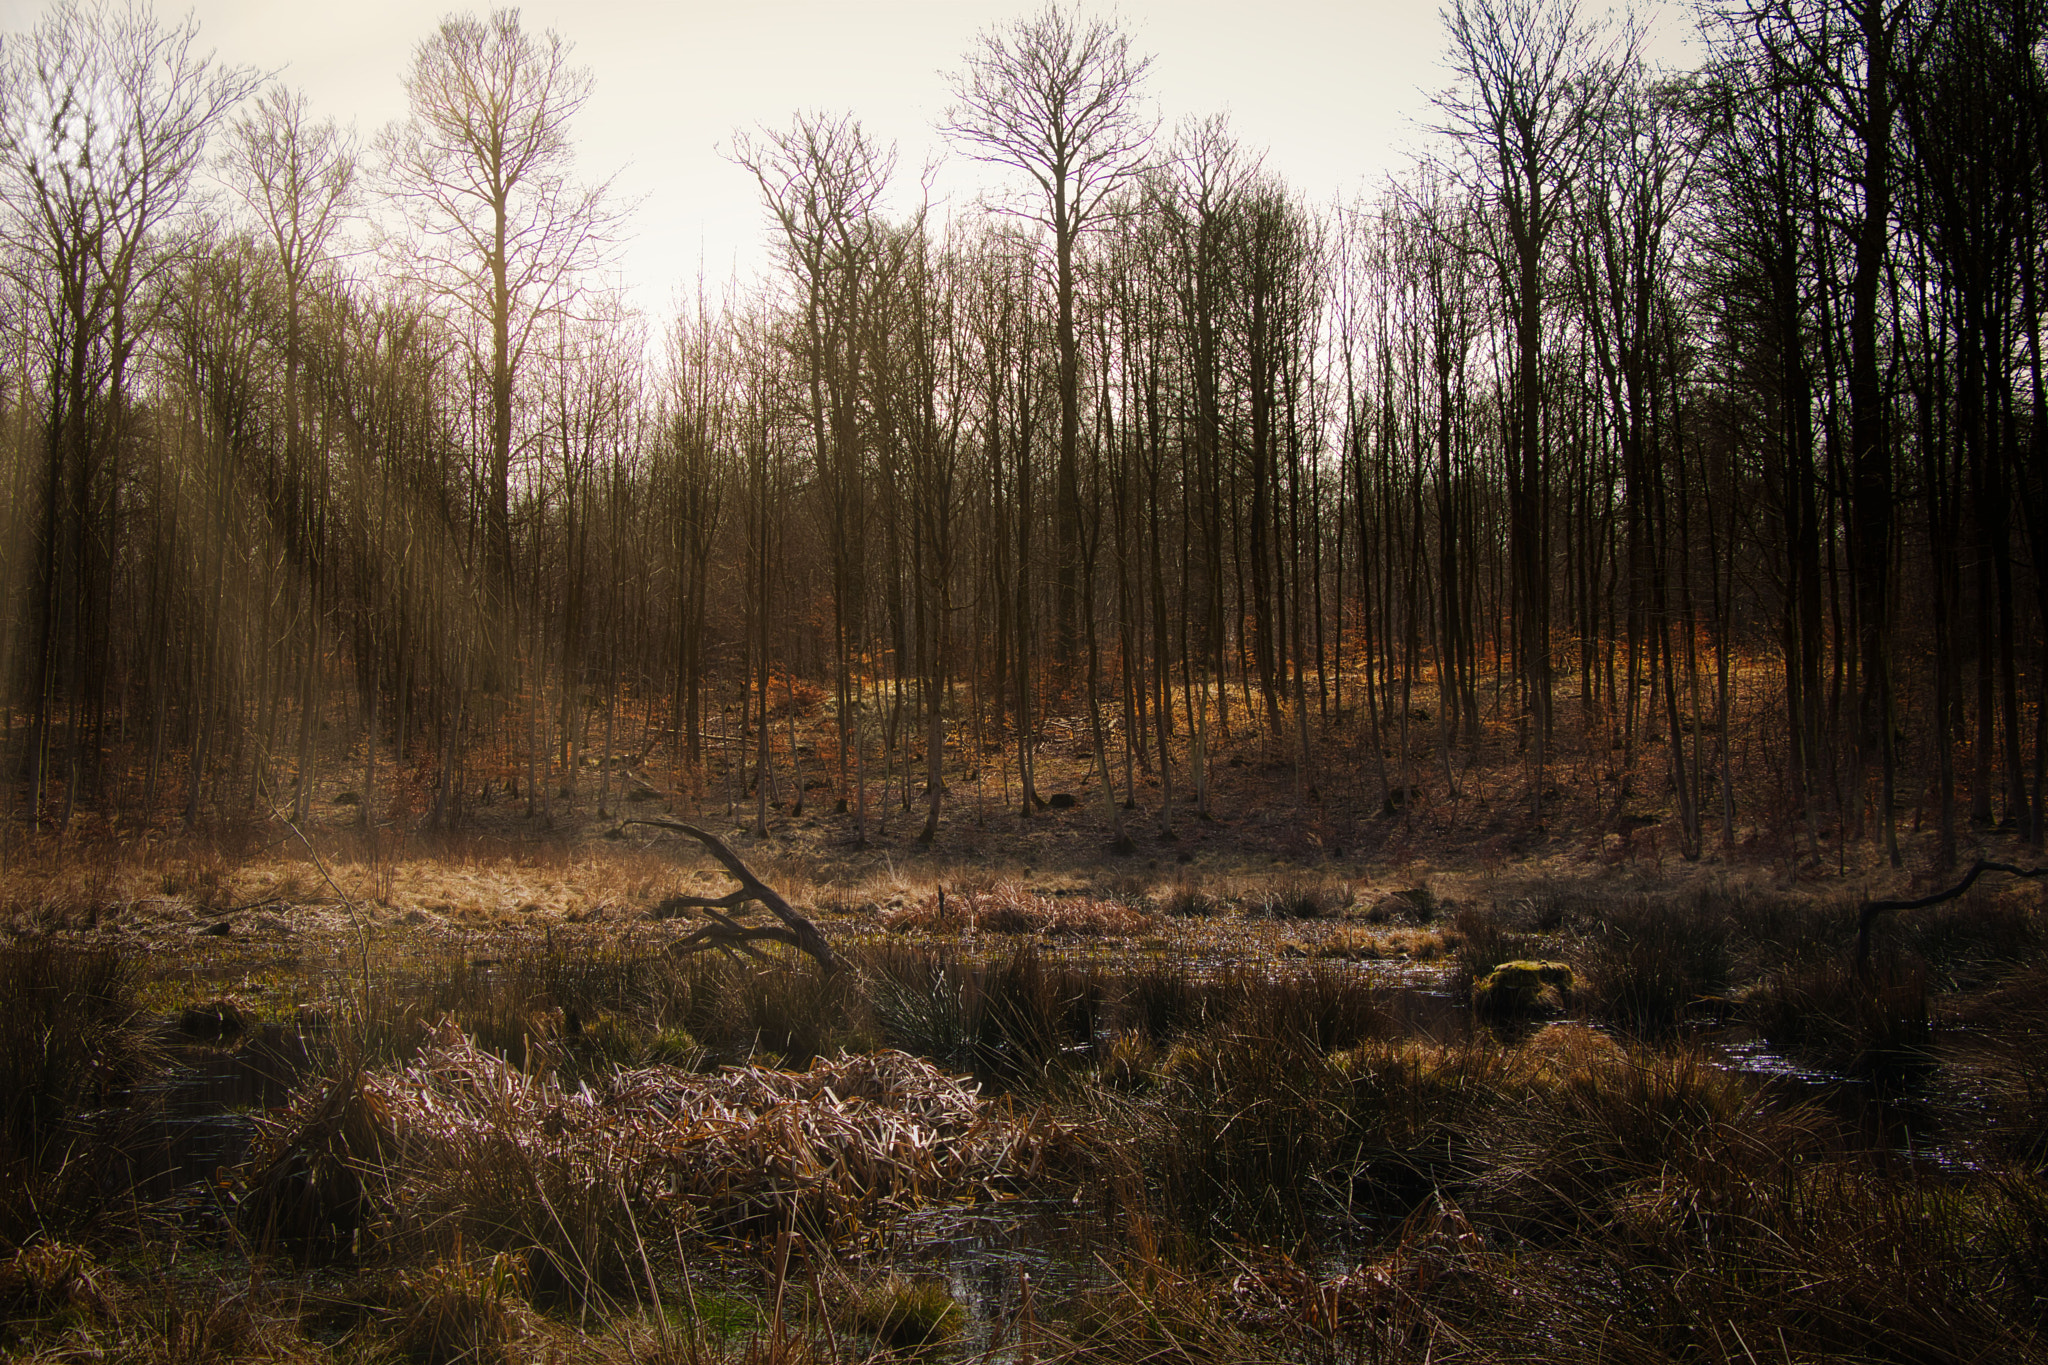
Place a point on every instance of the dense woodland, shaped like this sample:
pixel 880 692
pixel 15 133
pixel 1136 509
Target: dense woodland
pixel 1683 424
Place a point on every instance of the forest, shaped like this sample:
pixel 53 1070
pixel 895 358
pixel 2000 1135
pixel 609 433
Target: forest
pixel 1681 425
pixel 1135 768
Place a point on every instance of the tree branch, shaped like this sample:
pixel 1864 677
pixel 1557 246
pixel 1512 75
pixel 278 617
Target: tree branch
pixel 726 932
pixel 1867 917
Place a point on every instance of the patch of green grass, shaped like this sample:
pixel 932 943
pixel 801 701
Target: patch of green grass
pixel 902 1313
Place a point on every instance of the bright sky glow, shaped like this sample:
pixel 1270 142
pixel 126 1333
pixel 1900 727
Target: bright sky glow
pixel 1336 95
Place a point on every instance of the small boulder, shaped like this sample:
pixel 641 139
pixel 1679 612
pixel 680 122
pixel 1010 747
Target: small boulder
pixel 1523 988
pixel 214 1019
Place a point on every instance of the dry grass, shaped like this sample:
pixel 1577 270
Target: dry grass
pixel 1009 908
pixel 1354 943
pixel 491 1168
pixel 461 1145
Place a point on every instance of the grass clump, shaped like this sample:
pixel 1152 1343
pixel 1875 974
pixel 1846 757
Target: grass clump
pixel 1876 1027
pixel 1649 965
pixel 1008 908
pixel 1303 898
pixel 50 1279
pixel 904 1314
pixel 457 1311
pixel 1018 1021
pixel 1185 897
pixel 71 1038
pixel 1483 940
pixel 1351 943
pixel 1590 1125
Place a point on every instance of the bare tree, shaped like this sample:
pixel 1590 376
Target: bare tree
pixel 822 180
pixel 483 167
pixel 1060 101
pixel 1533 76
pixel 104 117
pixel 1622 257
pixel 298 178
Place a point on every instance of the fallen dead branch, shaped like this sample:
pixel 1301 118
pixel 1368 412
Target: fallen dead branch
pixel 726 932
pixel 1866 919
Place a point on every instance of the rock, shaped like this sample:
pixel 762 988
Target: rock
pixel 213 1019
pixel 1523 987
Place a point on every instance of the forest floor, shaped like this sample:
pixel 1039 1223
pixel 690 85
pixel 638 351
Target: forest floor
pixel 1468 831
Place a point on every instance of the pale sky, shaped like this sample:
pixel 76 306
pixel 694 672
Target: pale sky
pixel 1336 95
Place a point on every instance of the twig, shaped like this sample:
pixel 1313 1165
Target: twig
pixel 355 919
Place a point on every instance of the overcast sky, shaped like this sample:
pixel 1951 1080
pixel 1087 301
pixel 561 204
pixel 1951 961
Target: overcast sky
pixel 1335 94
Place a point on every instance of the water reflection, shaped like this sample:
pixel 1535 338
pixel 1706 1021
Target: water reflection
pixel 984 1253
pixel 179 1130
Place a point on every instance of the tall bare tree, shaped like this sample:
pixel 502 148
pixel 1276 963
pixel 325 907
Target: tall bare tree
pixel 822 180
pixel 1061 101
pixel 1533 75
pixel 484 167
pixel 104 118
pixel 298 178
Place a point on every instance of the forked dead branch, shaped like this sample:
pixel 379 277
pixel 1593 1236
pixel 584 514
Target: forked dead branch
pixel 726 932
pixel 1866 918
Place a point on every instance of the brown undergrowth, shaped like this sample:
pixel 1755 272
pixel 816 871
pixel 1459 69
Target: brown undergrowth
pixel 573 1145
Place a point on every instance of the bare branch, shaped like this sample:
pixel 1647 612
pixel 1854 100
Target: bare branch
pixel 795 930
pixel 1866 919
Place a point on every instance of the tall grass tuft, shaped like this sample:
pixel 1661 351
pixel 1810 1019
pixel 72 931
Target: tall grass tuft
pixel 904 1314
pixel 1648 964
pixel 455 1311
pixel 1875 1028
pixel 1591 1125
pixel 72 1037
pixel 1015 1020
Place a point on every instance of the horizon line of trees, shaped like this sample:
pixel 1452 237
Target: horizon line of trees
pixel 1691 417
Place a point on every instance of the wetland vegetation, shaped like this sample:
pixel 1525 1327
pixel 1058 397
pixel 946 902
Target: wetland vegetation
pixel 1220 1115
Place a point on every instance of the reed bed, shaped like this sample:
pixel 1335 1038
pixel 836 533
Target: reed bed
pixel 460 1144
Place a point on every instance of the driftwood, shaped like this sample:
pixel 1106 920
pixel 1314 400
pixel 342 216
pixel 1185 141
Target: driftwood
pixel 727 933
pixel 1867 918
